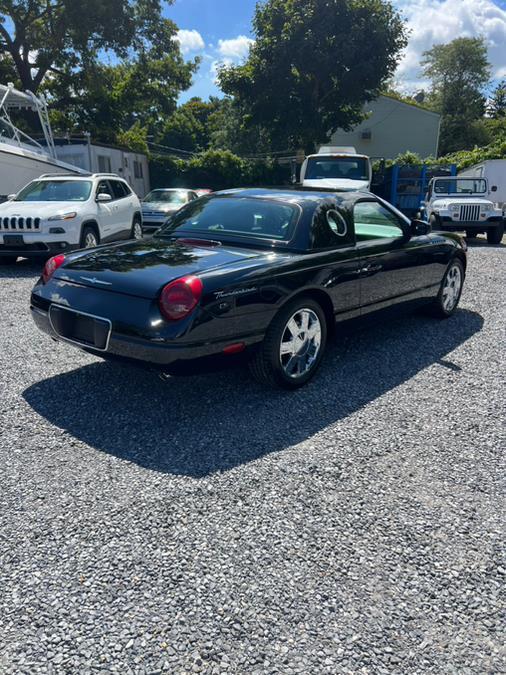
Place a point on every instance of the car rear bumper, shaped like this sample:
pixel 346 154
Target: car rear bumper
pixel 112 344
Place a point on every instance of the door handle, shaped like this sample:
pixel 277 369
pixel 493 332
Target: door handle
pixel 371 269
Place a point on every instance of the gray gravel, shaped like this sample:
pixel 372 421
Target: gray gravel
pixel 210 525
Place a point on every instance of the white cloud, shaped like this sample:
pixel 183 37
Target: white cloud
pixel 235 48
pixel 190 41
pixel 439 22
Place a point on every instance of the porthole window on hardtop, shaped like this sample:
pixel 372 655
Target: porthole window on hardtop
pixel 330 228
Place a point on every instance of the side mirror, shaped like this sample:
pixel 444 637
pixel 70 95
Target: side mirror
pixel 419 228
pixel 493 188
pixel 11 196
pixel 104 197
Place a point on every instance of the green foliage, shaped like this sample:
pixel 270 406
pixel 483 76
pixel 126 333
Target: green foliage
pixel 496 107
pixel 459 72
pixel 311 69
pixel 134 138
pixel 216 169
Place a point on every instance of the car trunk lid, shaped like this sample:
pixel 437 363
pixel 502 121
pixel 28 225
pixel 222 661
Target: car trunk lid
pixel 142 268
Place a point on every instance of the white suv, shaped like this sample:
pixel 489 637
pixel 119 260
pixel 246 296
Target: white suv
pixel 61 212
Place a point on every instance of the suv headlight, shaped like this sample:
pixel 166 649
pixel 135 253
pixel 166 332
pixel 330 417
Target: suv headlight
pixel 64 216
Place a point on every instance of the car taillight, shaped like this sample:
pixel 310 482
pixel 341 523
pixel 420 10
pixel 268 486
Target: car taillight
pixel 180 297
pixel 51 266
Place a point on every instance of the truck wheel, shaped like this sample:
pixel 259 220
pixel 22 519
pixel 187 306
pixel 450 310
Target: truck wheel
pixel 89 237
pixel 495 234
pixel 293 346
pixel 434 223
pixel 447 300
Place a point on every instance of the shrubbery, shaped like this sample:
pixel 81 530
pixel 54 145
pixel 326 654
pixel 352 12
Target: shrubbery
pixel 218 170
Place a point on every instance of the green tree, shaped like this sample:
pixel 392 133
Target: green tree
pixel 497 103
pixel 313 66
pixel 48 37
pixel 459 71
pixel 188 128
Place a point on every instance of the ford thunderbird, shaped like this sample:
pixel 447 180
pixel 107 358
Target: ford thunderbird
pixel 266 271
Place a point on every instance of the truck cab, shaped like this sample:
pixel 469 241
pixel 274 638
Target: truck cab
pixel 338 168
pixel 458 203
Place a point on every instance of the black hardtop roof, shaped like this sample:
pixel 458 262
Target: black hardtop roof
pixel 299 195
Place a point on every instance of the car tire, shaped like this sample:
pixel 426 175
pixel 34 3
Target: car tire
pixel 435 224
pixel 137 232
pixel 495 234
pixel 302 320
pixel 89 237
pixel 8 259
pixel 447 300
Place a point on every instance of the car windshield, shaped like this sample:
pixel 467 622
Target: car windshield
pixel 460 186
pixel 353 168
pixel 166 196
pixel 55 191
pixel 234 217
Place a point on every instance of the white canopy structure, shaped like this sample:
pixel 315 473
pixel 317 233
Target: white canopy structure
pixel 13 99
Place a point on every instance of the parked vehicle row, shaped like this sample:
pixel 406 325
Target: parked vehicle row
pixel 265 271
pixel 65 212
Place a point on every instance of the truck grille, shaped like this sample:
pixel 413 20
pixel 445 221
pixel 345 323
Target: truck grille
pixel 469 212
pixel 19 223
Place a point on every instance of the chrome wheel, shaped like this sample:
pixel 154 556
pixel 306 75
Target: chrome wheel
pixel 90 240
pixel 451 288
pixel 137 230
pixel 300 343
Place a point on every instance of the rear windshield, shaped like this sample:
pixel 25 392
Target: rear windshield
pixel 55 191
pixel 235 217
pixel 354 168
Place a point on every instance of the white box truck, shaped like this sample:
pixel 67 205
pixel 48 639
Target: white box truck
pixel 494 170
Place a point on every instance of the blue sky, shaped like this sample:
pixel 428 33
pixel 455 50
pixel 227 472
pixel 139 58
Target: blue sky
pixel 220 30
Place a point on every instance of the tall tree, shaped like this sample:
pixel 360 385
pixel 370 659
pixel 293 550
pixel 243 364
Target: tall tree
pixel 459 72
pixel 496 107
pixel 313 66
pixel 47 37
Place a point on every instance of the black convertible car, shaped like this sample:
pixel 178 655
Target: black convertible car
pixel 270 271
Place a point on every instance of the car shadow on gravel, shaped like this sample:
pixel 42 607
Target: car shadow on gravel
pixel 22 269
pixel 210 422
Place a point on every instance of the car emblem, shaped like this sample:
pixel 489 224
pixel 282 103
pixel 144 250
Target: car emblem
pixel 94 280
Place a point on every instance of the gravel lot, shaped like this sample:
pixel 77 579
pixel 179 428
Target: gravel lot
pixel 210 525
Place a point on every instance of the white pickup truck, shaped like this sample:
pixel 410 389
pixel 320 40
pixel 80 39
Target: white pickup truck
pixel 455 203
pixel 336 168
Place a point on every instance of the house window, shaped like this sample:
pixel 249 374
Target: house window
pixel 104 164
pixel 138 169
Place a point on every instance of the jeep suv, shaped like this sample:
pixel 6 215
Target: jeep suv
pixel 60 213
pixel 455 203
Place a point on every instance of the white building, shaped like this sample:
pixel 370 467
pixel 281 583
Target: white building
pixel 100 158
pixel 392 127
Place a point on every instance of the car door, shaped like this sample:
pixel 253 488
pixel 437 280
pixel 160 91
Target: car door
pixel 335 259
pixel 106 212
pixel 394 266
pixel 123 209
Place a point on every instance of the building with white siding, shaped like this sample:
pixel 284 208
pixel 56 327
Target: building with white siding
pixel 392 127
pixel 100 158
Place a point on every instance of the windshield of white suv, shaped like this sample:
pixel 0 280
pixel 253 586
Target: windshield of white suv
pixel 166 196
pixel 460 186
pixel 353 168
pixel 55 191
